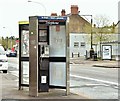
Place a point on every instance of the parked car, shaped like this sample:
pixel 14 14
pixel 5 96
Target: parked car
pixel 3 60
pixel 11 53
pixel 8 52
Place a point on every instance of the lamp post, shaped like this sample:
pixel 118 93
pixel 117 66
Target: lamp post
pixel 39 3
pixel 91 49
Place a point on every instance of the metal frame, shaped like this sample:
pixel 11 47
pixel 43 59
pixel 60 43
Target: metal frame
pixel 33 42
pixel 33 72
pixel 23 25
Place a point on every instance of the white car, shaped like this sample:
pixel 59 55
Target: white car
pixel 3 60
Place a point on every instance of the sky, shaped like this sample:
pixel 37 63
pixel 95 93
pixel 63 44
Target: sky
pixel 13 11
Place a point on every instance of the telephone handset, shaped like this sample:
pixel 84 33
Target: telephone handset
pixel 44 50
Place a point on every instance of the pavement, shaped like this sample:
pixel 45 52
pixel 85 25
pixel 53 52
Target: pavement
pixel 9 85
pixel 98 63
pixel 10 90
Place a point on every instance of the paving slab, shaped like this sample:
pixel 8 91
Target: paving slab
pixel 10 91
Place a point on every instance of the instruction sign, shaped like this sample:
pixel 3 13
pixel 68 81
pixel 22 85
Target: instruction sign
pixel 106 52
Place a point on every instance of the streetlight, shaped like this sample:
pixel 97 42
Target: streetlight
pixel 91 50
pixel 91 28
pixel 40 4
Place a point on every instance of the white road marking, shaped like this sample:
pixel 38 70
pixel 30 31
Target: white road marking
pixel 88 78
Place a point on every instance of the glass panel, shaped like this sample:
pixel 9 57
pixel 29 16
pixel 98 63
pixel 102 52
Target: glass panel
pixel 57 74
pixel 25 43
pixel 57 42
pixel 42 26
pixel 43 35
pixel 1 87
pixel 25 74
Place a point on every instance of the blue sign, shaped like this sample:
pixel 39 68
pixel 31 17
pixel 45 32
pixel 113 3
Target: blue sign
pixel 52 18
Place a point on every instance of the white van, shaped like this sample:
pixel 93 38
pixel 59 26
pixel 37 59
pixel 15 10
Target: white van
pixel 3 60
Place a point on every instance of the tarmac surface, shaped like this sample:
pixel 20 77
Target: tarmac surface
pixel 10 91
pixel 9 83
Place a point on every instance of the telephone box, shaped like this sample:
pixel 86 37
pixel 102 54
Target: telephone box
pixel 48 54
pixel 23 54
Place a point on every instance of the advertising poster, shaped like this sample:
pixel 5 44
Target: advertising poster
pixel 25 43
pixel 106 52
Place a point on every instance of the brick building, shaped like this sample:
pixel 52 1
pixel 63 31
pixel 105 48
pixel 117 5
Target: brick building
pixel 79 30
pixel 78 24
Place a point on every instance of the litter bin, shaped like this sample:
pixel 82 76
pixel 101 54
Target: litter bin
pixel 91 52
pixel 95 56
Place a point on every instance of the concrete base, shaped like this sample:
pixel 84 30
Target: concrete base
pixel 117 58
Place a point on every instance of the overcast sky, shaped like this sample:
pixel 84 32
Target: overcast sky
pixel 13 11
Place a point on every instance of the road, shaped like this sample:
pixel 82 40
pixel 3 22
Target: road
pixel 95 82
pixel 91 82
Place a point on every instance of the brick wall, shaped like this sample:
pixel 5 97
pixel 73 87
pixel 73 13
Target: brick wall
pixel 78 25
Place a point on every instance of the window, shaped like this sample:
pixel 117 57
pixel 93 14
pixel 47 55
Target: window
pixel 82 44
pixel 76 44
pixel 43 35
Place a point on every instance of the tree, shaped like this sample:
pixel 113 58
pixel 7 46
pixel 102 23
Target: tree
pixel 8 42
pixel 101 30
pixel 11 41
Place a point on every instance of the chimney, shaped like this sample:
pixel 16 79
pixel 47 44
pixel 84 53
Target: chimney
pixel 74 9
pixel 63 12
pixel 53 14
pixel 94 25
